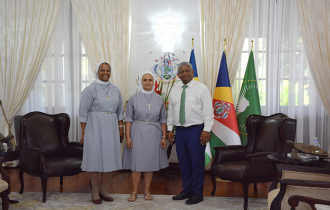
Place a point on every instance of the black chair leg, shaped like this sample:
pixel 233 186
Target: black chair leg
pixel 255 188
pixel 44 188
pixel 5 202
pixel 21 180
pixel 213 183
pixel 245 194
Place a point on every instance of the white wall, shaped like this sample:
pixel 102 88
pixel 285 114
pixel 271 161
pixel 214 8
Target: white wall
pixel 145 47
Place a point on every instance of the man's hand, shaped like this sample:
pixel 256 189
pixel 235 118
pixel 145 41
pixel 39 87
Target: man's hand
pixel 205 137
pixel 170 137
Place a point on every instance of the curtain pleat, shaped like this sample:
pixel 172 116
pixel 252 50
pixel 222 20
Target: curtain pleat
pixel 314 18
pixel 104 27
pixel 26 28
pixel 223 19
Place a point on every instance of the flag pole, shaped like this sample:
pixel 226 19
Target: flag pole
pixel 192 42
pixel 224 46
pixel 252 46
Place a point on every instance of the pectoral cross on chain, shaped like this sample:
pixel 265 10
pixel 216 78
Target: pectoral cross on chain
pixel 108 97
pixel 149 105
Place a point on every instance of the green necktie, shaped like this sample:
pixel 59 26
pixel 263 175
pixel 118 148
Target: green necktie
pixel 182 118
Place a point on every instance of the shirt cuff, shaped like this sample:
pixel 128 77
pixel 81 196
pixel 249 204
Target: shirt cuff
pixel 170 128
pixel 207 129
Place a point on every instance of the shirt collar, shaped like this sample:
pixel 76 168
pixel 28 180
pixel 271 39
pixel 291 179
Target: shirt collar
pixel 189 84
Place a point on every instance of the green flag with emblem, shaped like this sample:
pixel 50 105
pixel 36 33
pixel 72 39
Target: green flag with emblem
pixel 248 100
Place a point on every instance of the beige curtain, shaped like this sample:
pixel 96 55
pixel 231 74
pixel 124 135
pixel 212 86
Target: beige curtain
pixel 222 19
pixel 26 28
pixel 104 27
pixel 314 19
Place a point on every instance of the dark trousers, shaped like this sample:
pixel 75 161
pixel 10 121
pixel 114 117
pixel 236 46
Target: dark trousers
pixel 191 156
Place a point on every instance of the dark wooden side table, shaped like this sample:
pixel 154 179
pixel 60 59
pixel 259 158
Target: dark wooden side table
pixel 10 155
pixel 284 159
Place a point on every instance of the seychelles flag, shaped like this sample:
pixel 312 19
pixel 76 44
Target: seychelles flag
pixel 225 128
pixel 192 61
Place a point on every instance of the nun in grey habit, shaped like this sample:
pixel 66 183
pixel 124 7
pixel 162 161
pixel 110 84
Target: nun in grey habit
pixel 145 126
pixel 101 118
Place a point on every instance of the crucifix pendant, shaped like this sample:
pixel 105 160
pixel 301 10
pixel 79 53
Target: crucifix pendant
pixel 108 97
pixel 149 105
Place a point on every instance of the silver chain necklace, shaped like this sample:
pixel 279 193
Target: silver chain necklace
pixel 106 92
pixel 148 104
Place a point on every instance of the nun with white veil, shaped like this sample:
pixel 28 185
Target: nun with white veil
pixel 145 127
pixel 101 118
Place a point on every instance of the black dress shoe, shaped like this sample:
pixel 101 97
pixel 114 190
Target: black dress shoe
pixel 182 196
pixel 195 199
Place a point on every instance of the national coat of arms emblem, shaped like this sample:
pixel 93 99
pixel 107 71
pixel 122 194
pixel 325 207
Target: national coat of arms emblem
pixel 221 109
pixel 166 68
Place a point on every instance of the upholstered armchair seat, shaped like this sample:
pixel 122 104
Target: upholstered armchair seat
pixel 4 187
pixel 231 170
pixel 45 148
pixel 63 166
pixel 31 159
pixel 301 187
pixel 249 164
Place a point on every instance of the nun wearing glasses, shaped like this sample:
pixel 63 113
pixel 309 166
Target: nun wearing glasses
pixel 101 118
pixel 145 126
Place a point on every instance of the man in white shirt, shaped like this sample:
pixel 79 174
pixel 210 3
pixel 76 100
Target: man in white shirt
pixel 191 111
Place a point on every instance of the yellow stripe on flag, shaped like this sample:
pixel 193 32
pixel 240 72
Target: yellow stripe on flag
pixel 223 94
pixel 196 78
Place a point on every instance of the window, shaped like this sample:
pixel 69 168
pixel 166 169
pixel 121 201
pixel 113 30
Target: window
pixel 281 65
pixel 86 74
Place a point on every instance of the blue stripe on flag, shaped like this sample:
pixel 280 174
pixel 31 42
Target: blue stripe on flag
pixel 192 61
pixel 223 76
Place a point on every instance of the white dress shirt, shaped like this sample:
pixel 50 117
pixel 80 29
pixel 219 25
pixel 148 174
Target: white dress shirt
pixel 198 106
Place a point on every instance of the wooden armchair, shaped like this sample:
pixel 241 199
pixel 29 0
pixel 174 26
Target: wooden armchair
pixel 45 148
pixel 249 164
pixel 4 187
pixel 300 187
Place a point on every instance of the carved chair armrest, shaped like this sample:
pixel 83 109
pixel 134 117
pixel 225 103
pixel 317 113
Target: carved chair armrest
pixel 259 155
pixel 32 159
pixel 285 182
pixel 295 199
pixel 73 149
pixel 4 175
pixel 229 153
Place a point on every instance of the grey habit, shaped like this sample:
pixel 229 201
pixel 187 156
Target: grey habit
pixel 101 115
pixel 146 134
